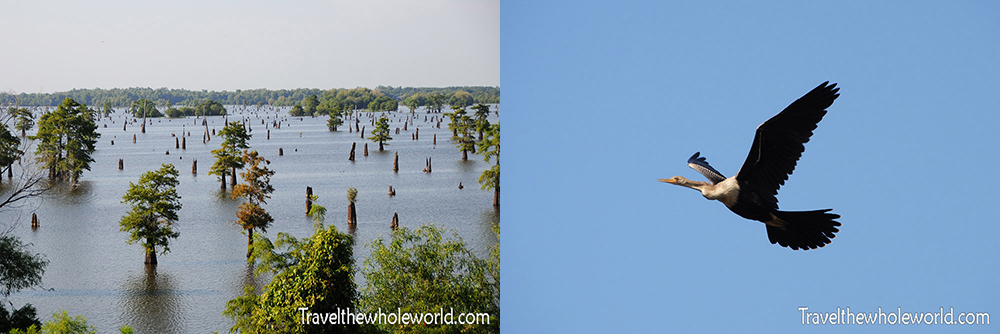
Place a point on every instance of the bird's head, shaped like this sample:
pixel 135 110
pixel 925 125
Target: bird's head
pixel 678 180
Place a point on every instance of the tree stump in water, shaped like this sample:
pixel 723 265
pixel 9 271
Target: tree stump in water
pixel 435 139
pixel 395 162
pixel 121 164
pixel 268 134
pixel 395 221
pixel 351 157
pixel 366 149
pixel 34 221
pixel 460 185
pixel 144 127
pixel 392 192
pixel 362 132
pixel 177 143
pixel 184 143
pixel 112 143
pixel 427 169
pixel 194 166
pixel 281 151
pixel 133 138
pixel 309 203
pixel 352 216
pixel 416 134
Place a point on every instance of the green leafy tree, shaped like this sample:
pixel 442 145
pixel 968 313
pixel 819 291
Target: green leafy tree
pixel 106 108
pixel 256 189
pixel 19 269
pixel 227 157
pixel 155 203
pixel 436 101
pixel 25 120
pixel 66 140
pixel 310 103
pixel 418 272
pixel 173 112
pixel 380 134
pixel 144 108
pixel 210 108
pixel 462 128
pixel 316 273
pixel 22 319
pixel 413 101
pixel 490 147
pixel 480 118
pixel 63 324
pixel 297 111
pixel 461 99
pixel 335 119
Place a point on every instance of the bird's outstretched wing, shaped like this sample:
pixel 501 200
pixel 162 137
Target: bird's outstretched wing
pixel 779 142
pixel 701 165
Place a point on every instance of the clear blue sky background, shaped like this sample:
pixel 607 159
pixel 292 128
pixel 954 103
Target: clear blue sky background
pixel 603 98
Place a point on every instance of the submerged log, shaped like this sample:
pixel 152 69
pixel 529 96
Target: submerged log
pixel 395 221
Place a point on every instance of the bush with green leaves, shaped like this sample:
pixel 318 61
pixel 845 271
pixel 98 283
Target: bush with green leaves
pixel 419 272
pixel 316 272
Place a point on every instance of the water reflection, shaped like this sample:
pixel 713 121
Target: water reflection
pixel 150 302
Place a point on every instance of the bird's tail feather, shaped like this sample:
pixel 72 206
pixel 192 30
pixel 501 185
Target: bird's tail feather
pixel 803 229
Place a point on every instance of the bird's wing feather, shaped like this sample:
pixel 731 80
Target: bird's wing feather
pixel 701 165
pixel 779 141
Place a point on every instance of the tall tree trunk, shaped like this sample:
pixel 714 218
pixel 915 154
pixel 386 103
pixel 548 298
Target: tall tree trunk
pixel 150 252
pixel 223 177
pixel 249 242
pixel 232 179
pixel 465 155
pixel 380 146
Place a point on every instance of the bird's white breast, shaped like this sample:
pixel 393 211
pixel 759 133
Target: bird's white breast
pixel 726 191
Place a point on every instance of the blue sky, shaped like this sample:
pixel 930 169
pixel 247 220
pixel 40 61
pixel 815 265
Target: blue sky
pixel 603 98
pixel 228 45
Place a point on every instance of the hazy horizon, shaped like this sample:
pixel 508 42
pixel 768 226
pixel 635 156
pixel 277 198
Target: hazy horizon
pixel 219 46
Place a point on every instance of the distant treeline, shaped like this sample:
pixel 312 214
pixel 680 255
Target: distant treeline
pixel 360 97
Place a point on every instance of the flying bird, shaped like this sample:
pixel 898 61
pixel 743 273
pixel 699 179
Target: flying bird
pixel 776 148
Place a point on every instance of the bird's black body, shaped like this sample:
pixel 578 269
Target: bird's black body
pixel 776 148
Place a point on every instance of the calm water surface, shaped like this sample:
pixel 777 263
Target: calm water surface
pixel 94 273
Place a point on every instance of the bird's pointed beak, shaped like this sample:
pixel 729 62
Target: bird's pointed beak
pixel 671 181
